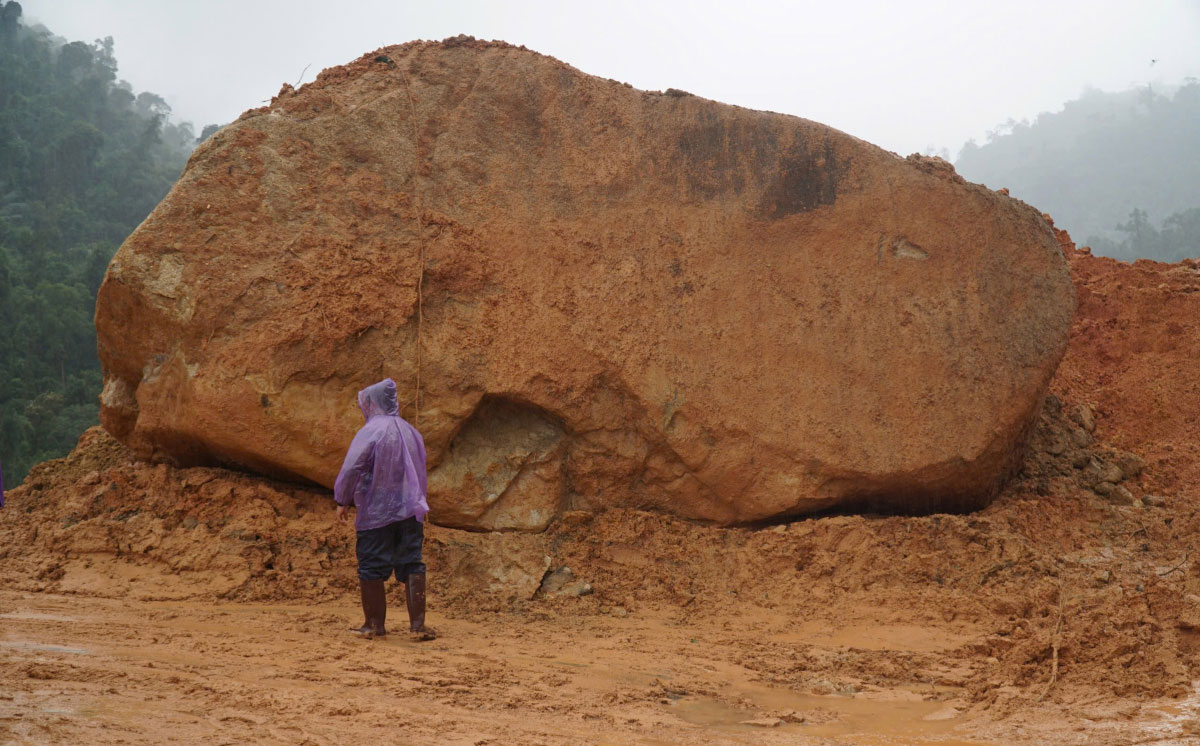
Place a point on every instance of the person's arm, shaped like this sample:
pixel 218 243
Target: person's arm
pixel 421 476
pixel 358 461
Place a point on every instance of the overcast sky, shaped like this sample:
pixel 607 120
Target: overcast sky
pixel 905 75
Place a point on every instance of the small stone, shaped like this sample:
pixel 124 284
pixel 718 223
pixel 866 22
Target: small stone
pixel 1080 459
pixel 1102 577
pixel 1104 489
pixel 1083 416
pixel 1081 437
pixel 763 722
pixel 620 612
pixel 576 588
pixel 1056 447
pixel 1111 473
pixel 557 580
pixel 1155 501
pixel 1122 496
pixel 1131 464
pixel 577 517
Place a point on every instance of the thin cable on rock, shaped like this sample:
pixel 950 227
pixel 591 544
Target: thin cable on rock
pixel 420 242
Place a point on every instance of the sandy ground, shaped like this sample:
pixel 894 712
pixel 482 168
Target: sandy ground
pixel 80 669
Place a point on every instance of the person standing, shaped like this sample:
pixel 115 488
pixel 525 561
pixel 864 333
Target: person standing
pixel 383 477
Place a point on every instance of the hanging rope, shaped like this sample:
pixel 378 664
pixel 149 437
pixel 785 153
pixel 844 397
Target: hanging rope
pixel 420 243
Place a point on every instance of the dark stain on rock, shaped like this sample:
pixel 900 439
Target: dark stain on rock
pixel 805 180
pixel 722 154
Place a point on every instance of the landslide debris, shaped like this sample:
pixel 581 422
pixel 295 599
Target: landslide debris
pixel 1050 564
pixel 1112 584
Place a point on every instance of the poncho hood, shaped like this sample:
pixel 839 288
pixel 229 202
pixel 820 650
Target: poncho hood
pixel 379 398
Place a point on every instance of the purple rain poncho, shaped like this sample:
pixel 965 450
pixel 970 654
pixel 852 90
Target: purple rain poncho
pixel 383 475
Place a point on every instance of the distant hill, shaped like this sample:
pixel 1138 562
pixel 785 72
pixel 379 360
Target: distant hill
pixel 1120 171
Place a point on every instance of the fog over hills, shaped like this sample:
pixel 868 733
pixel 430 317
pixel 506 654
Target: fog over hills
pixel 1120 171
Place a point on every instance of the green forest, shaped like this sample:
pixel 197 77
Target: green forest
pixel 83 160
pixel 1120 171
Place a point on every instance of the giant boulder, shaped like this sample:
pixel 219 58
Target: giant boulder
pixel 596 295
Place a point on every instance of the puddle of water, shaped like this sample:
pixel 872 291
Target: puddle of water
pixel 710 712
pixel 908 720
pixel 43 648
pixel 1173 716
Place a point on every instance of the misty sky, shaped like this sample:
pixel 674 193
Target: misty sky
pixel 905 75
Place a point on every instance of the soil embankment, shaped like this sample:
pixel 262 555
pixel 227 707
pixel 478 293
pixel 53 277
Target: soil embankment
pixel 144 601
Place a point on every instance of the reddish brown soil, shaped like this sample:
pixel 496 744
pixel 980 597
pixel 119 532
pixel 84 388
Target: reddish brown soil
pixel 143 604
pixel 1133 353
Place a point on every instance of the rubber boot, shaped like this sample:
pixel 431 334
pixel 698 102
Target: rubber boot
pixel 414 595
pixel 374 604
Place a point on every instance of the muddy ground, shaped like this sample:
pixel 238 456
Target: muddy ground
pixel 147 604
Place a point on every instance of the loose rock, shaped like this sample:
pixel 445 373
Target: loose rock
pixel 1122 496
pixel 562 582
pixel 1131 464
pixel 1112 473
pixel 1083 416
pixel 651 313
pixel 763 722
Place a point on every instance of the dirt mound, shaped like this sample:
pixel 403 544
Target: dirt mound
pixel 218 533
pixel 1132 357
pixel 604 297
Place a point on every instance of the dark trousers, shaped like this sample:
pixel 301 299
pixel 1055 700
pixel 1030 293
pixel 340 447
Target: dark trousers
pixel 395 547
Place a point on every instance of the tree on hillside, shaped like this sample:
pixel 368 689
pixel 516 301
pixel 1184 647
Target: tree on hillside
pixel 1179 238
pixel 1104 156
pixel 83 160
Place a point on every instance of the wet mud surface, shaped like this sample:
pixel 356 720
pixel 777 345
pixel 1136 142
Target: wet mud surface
pixel 90 670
